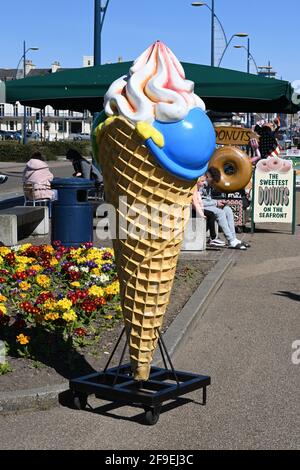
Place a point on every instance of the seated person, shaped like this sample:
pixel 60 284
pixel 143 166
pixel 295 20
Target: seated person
pixel 223 212
pixel 38 174
pixel 208 215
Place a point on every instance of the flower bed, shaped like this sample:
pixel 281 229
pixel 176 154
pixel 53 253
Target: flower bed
pixel 49 293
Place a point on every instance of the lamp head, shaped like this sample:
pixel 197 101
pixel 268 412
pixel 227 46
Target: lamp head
pixel 198 4
pixel 241 35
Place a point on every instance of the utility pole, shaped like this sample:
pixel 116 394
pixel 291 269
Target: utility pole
pixel 212 33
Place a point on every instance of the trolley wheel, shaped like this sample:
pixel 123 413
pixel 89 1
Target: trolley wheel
pixel 152 415
pixel 80 400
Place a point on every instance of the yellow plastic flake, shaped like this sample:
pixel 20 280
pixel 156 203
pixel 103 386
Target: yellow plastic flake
pixel 98 130
pixel 146 131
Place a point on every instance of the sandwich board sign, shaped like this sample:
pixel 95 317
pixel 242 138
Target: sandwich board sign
pixel 274 194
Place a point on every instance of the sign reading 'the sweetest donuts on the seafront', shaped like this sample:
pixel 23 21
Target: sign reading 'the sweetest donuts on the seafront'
pixel 274 191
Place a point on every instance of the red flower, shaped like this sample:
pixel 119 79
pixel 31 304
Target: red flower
pixel 4 272
pixel 10 258
pixel 19 276
pixel 2 280
pixel 29 308
pixel 41 299
pixel 81 332
pixel 100 301
pixel 89 306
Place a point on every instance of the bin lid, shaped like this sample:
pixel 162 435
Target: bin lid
pixel 74 183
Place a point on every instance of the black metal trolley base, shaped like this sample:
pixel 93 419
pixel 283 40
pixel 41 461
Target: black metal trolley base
pixel 117 385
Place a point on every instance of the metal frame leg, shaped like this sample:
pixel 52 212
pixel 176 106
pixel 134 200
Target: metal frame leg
pixel 168 357
pixel 114 350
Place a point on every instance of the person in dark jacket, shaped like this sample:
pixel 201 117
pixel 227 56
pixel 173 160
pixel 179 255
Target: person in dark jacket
pixel 82 168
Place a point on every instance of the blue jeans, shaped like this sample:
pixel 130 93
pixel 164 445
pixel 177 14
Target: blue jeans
pixel 225 220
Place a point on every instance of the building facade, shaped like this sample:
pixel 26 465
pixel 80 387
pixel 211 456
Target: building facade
pixel 47 124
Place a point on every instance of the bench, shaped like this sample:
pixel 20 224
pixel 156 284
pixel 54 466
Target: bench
pixel 18 223
pixel 195 235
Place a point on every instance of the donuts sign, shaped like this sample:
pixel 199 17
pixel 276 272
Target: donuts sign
pixel 274 192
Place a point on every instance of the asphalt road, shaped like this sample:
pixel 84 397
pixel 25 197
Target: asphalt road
pixel 244 341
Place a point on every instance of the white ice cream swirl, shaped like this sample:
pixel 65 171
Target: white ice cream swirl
pixel 155 88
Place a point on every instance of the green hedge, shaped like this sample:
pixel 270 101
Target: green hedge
pixel 16 152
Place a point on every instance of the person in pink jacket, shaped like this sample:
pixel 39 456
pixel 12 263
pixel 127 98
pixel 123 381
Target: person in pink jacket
pixel 38 174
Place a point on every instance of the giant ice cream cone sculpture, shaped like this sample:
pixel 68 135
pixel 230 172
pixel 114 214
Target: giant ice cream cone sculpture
pixel 153 147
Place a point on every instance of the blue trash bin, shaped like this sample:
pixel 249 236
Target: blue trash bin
pixel 72 213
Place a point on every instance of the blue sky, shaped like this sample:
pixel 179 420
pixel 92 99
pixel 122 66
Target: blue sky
pixel 63 30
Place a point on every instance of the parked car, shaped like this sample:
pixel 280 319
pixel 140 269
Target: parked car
pixel 6 135
pixel 82 136
pixel 10 135
pixel 33 135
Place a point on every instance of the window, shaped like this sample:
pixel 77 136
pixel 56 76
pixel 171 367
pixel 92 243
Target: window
pixel 29 112
pixel 61 126
pixel 16 110
pixel 11 125
pixel 2 109
pixel 71 114
pixel 56 112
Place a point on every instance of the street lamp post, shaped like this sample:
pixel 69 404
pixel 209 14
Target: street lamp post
pixel 249 56
pixel 100 13
pixel 24 76
pixel 213 16
pixel 237 35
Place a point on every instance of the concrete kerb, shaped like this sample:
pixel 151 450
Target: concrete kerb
pixel 47 397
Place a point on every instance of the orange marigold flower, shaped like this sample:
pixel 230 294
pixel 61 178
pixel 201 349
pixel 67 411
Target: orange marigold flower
pixel 23 340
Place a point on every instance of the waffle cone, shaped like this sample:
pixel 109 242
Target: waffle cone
pixel 146 261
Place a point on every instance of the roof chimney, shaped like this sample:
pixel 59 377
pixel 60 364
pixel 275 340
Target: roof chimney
pixel 55 66
pixel 29 66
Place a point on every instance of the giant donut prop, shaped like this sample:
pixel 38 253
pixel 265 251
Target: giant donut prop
pixel 235 168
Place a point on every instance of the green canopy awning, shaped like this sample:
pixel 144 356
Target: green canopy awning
pixel 221 89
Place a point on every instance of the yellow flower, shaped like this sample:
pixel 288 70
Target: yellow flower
pixel 113 289
pixel 3 309
pixel 52 316
pixel 22 339
pixel 50 304
pixel 69 316
pixel 24 247
pixel 96 271
pixel 108 317
pixel 49 249
pixel 54 262
pixel 80 259
pixel 64 304
pixel 43 281
pixel 24 260
pixel 1 260
pixel 4 250
pixel 36 268
pixel 75 284
pixel 3 298
pixel 25 285
pixel 96 291
pixel 23 296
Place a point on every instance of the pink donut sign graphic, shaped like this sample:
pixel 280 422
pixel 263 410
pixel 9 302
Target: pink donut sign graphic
pixel 274 164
